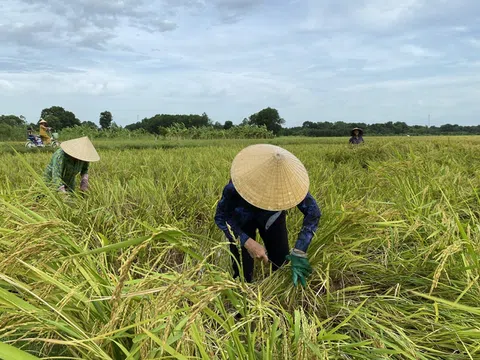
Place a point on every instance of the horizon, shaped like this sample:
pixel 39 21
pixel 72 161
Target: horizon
pixel 374 60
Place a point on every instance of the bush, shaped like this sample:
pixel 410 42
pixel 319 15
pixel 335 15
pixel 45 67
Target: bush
pixel 113 132
pixel 12 133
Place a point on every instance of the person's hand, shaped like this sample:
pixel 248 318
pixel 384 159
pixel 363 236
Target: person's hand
pixel 256 250
pixel 301 268
pixel 84 183
pixel 62 189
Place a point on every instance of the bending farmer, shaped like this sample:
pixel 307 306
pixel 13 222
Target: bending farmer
pixel 265 181
pixel 71 159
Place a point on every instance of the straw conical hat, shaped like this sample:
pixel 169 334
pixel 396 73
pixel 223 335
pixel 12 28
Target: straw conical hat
pixel 359 130
pixel 81 149
pixel 41 121
pixel 269 177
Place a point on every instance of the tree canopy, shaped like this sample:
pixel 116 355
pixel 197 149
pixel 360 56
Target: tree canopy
pixel 340 128
pixel 12 120
pixel 59 118
pixel 105 119
pixel 228 125
pixel 268 117
pixel 155 124
pixel 13 127
pixel 89 124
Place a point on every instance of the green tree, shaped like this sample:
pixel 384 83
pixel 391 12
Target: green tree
pixel 228 125
pixel 90 124
pixel 153 124
pixel 106 119
pixel 268 117
pixel 59 117
pixel 53 122
pixel 206 119
pixel 12 120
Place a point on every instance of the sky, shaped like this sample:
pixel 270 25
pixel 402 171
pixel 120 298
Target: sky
pixel 314 60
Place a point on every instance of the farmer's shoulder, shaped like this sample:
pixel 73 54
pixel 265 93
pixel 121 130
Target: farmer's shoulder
pixel 229 190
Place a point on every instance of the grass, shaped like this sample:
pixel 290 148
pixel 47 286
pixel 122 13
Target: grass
pixel 137 269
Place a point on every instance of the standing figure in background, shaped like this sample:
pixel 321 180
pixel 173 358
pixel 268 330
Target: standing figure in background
pixel 43 132
pixel 73 157
pixel 357 136
pixel 265 181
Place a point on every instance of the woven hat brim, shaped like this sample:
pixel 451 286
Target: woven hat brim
pixel 81 149
pixel 359 130
pixel 269 177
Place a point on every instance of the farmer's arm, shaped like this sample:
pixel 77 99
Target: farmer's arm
pixel 56 165
pixel 84 176
pixel 224 215
pixel 312 214
pixel 84 170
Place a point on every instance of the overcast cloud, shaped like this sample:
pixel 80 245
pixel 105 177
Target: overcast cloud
pixel 329 60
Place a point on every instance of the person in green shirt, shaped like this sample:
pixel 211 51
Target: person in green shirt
pixel 73 158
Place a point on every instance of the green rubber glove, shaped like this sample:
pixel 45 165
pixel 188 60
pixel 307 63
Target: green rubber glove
pixel 301 268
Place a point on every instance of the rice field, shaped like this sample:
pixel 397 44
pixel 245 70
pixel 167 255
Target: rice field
pixel 136 268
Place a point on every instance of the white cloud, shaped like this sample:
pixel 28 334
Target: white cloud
pixel 386 13
pixel 419 51
pixel 416 83
pixel 474 42
pixel 314 60
pixel 88 82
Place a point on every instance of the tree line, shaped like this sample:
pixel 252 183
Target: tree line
pixel 340 128
pixel 13 127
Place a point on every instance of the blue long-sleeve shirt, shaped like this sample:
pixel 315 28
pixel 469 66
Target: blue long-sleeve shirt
pixel 233 210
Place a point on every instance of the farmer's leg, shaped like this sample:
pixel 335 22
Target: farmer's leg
pixel 246 260
pixel 275 239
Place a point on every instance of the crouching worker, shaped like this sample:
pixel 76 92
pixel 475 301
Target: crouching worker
pixel 73 157
pixel 266 180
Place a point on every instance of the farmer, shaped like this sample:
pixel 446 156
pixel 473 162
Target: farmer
pixel 43 132
pixel 73 157
pixel 357 136
pixel 265 181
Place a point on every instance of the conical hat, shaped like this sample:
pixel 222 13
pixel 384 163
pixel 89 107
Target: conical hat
pixel 81 149
pixel 359 130
pixel 41 121
pixel 269 177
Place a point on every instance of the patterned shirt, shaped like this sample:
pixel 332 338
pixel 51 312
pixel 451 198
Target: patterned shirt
pixel 63 168
pixel 234 211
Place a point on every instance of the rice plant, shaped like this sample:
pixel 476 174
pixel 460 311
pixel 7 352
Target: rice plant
pixel 136 268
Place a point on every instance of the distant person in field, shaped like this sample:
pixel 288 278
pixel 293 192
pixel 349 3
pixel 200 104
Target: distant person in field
pixel 31 135
pixel 267 180
pixel 73 158
pixel 43 132
pixel 357 136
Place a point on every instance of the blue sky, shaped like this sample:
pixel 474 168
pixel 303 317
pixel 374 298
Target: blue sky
pixel 344 60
